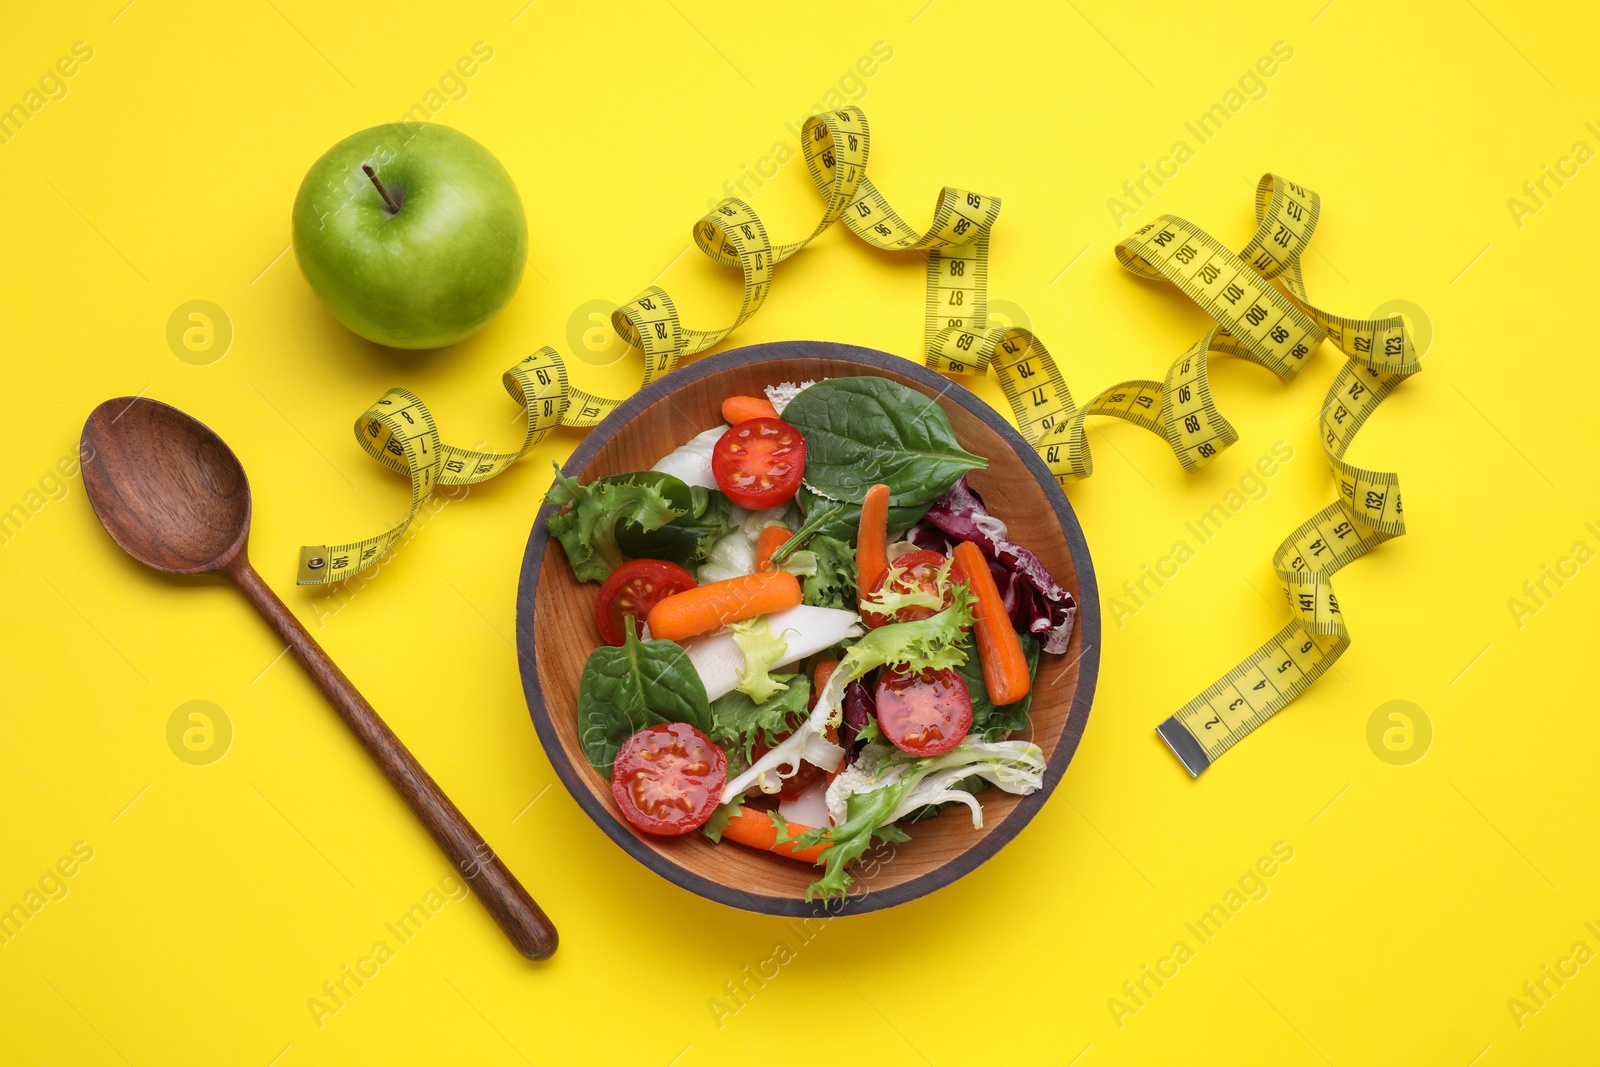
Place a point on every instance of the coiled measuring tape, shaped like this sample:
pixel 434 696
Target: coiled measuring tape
pixel 1275 326
pixel 398 431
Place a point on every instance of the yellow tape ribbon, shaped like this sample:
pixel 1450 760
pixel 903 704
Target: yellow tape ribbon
pixel 1274 325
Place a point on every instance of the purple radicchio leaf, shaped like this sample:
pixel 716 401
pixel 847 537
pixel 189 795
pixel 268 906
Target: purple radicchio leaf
pixel 859 708
pixel 1036 601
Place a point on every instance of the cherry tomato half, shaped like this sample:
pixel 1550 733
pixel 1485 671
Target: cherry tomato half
pixel 926 713
pixel 633 589
pixel 921 571
pixel 759 463
pixel 668 779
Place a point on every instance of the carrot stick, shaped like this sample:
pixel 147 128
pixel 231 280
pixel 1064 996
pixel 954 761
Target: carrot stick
pixel 772 538
pixel 819 678
pixel 737 409
pixel 823 672
pixel 754 828
pixel 706 607
pixel 872 542
pixel 1005 667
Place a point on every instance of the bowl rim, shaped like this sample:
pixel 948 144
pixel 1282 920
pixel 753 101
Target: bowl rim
pixel 1088 618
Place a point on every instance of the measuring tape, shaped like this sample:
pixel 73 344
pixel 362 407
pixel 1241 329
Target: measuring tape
pixel 399 432
pixel 1275 326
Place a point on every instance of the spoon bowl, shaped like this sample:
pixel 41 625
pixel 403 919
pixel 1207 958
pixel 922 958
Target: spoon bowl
pixel 166 487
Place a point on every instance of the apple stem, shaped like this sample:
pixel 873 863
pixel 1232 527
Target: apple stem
pixel 389 201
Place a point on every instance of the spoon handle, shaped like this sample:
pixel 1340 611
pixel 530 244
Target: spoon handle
pixel 522 920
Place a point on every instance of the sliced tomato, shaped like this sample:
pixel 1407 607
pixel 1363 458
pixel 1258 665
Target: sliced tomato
pixel 668 779
pixel 926 713
pixel 917 569
pixel 633 589
pixel 759 463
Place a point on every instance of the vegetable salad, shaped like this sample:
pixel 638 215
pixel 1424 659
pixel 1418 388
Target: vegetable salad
pixel 813 631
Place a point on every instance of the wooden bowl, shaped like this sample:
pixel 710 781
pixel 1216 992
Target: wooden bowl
pixel 556 630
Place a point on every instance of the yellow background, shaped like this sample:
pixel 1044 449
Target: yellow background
pixel 219 899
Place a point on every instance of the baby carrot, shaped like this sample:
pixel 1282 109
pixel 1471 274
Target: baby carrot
pixel 1005 667
pixel 872 542
pixel 823 672
pixel 737 409
pixel 771 539
pixel 706 607
pixel 819 678
pixel 755 829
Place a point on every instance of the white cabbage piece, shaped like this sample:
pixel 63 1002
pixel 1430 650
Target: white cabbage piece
pixel 805 630
pixel 691 462
pixel 1015 766
pixel 899 548
pixel 732 555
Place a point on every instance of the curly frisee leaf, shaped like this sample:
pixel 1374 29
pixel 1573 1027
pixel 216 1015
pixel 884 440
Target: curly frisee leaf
pixel 586 524
pixel 762 649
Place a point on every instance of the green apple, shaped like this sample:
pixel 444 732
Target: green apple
pixel 412 234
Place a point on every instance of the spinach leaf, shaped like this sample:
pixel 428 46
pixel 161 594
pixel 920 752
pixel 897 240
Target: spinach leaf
pixel 687 539
pixel 739 722
pixel 641 684
pixel 865 430
pixel 988 721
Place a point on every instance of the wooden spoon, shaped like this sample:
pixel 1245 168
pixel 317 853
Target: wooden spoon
pixel 175 497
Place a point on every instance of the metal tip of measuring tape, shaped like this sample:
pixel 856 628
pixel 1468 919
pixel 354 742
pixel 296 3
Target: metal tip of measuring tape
pixel 313 568
pixel 1184 746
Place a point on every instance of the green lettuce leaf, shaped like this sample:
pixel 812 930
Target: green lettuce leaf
pixel 867 820
pixel 884 785
pixel 719 818
pixel 833 582
pixel 687 539
pixel 586 524
pixel 870 732
pixel 737 722
pixel 933 643
pixel 894 593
